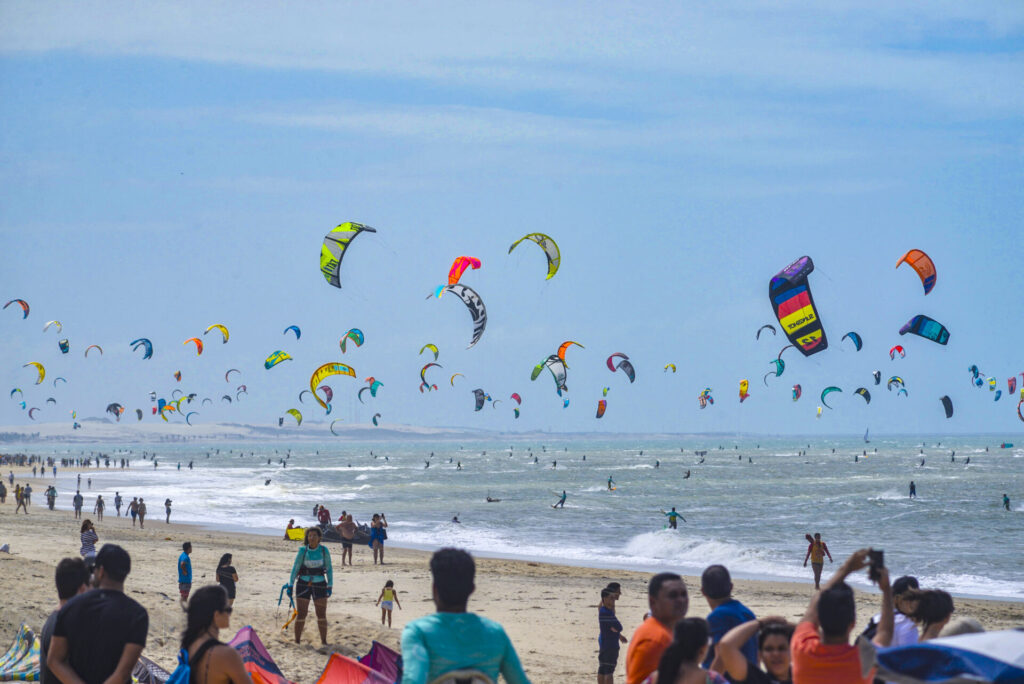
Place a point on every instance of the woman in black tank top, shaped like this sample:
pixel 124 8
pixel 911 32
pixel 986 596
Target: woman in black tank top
pixel 210 661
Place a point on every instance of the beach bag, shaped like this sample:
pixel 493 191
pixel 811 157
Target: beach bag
pixel 383 533
pixel 183 673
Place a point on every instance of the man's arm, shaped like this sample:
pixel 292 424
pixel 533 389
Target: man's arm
pixel 824 547
pixel 511 668
pixel 883 637
pixel 57 661
pixel 856 561
pixel 808 554
pixel 415 657
pixel 123 673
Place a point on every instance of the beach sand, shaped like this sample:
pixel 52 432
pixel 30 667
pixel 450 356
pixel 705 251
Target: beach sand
pixel 548 610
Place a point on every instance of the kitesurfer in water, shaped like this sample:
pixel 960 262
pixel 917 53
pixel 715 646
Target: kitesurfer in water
pixel 687 476
pixel 913 490
pixel 1006 502
pixel 672 515
pixel 561 502
pixel 611 483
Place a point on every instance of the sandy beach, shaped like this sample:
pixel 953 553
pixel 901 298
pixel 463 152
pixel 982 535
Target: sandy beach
pixel 548 610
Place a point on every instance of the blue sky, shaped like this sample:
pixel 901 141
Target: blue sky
pixel 171 165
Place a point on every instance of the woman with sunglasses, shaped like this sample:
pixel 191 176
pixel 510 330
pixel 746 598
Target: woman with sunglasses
pixel 773 635
pixel 210 661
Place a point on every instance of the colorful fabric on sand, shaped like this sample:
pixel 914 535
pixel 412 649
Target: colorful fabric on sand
pixel 258 663
pixel 342 670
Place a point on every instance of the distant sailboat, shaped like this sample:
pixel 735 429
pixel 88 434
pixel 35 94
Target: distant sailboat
pixel 866 440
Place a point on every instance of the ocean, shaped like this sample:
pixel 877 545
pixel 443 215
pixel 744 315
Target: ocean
pixel 747 506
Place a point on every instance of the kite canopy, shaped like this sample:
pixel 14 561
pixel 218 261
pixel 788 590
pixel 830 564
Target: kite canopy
pixel 626 367
pixel 459 267
pixel 296 414
pixel 479 397
pixel 767 326
pixel 864 393
pixel 199 344
pixel 335 246
pixel 981 657
pixel 670 365
pixel 947 405
pixel 926 327
pixel 827 391
pixel 325 371
pixel 602 405
pixel 22 303
pixel 431 347
pixel 343 670
pixel 610 361
pixel 255 658
pixel 797 391
pixel 855 338
pixel 376 418
pixel 551 251
pixel 274 359
pixel 922 263
pixel 40 371
pixel 744 385
pixel 294 329
pixel 897 350
pixel 565 345
pixel 476 307
pixel 145 344
pixel 794 307
pixel 356 335
pixel 223 332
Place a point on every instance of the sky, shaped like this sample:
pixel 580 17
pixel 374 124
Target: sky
pixel 167 166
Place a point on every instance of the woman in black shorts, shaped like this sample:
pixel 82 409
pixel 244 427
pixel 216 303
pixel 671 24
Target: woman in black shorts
pixel 312 579
pixel 226 577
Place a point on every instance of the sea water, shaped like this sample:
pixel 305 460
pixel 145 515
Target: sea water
pixel 747 506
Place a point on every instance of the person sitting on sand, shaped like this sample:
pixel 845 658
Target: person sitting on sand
pixel 680 663
pixel 452 638
pixel 821 649
pixel 291 526
pixel 772 635
pixel 209 660
pixel 816 551
pixel 929 608
pixel 668 601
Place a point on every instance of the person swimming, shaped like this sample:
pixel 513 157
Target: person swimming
pixel 687 476
pixel 455 519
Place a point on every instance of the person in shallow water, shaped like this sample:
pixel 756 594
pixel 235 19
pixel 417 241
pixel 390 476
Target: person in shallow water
pixel 816 551
pixel 913 490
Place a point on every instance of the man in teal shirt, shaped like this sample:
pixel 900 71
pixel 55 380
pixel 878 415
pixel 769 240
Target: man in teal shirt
pixel 185 574
pixel 453 639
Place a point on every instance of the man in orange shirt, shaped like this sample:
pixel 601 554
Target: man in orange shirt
pixel 820 647
pixel 668 600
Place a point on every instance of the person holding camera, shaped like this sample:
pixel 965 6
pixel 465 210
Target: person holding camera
pixel 378 533
pixel 821 649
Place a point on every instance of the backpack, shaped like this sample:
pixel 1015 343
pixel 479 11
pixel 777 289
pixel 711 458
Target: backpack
pixel 183 673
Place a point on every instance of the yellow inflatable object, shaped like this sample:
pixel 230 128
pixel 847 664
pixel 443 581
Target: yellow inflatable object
pixel 296 533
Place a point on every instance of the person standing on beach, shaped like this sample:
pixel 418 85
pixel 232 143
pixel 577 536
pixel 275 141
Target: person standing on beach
pixel 185 574
pixel 117 503
pixel 19 497
pixel 227 576
pixel 816 551
pixel 98 507
pixel 99 635
pixel 77 502
pixel 347 530
pixel 668 601
pixel 167 507
pixel 913 490
pixel 313 579
pixel 142 513
pixel 3 493
pixel 133 508
pixel 387 600
pixel 26 496
pixel 72 579
pixel 88 537
pixel 453 638
pixel 609 637
pixel 377 536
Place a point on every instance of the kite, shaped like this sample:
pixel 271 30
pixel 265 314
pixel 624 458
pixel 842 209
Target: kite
pixel 565 403
pixel 627 368
pixel 359 395
pixel 922 263
pixel 991 384
pixel 557 368
pixel 494 405
pixel 894 380
pixel 516 398
pixel 116 410
pixel 902 390
pixel 767 326
pixel 670 365
pixel 332 426
pixel 975 372
pixel 604 392
pixel 797 391
pixel 744 385
pixel 855 338
pixel 305 391
pixel 928 328
pixel 138 415
pixel 781 351
pixel 897 350
pixel 30 412
pixel 374 386
pixel 22 303
pixel 206 399
pixel 1011 384
pixel 63 346
pixel 459 267
pixel 328 392
pixel 56 323
pixel 59 378
pixel 177 375
pixel 476 309
pixel 376 417
pixel 39 370
pixel 999 393
pixel 479 396
pixel 223 332
pixel 1020 404
pixel 516 412
pixel 145 344
pixel 564 346
pixel 355 334
pixel 864 393
pixel 431 347
pixel 199 344
pixel 453 378
pixel 18 391
pixel 93 346
pixel 794 307
pixel 230 371
pixel 51 399
pixel 423 371
pixel 334 248
pixel 296 414
pixel 601 406
pixel 189 415
pixel 294 329
pixel 172 393
pixel 819 413
pixel 825 392
pixel 550 250
pixel 877 375
pixel 611 364
pixel 276 358
pixel 327 370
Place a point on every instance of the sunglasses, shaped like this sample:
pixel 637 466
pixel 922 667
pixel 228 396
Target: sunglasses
pixel 227 610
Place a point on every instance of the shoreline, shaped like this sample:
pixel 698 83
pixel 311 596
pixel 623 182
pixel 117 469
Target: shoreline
pixel 549 610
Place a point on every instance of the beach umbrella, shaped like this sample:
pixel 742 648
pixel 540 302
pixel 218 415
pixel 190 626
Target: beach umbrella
pixel 983 657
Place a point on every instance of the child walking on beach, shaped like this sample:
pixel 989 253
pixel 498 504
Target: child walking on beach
pixel 387 600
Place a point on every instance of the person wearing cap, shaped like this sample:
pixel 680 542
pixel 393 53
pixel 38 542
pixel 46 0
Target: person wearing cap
pixel 99 635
